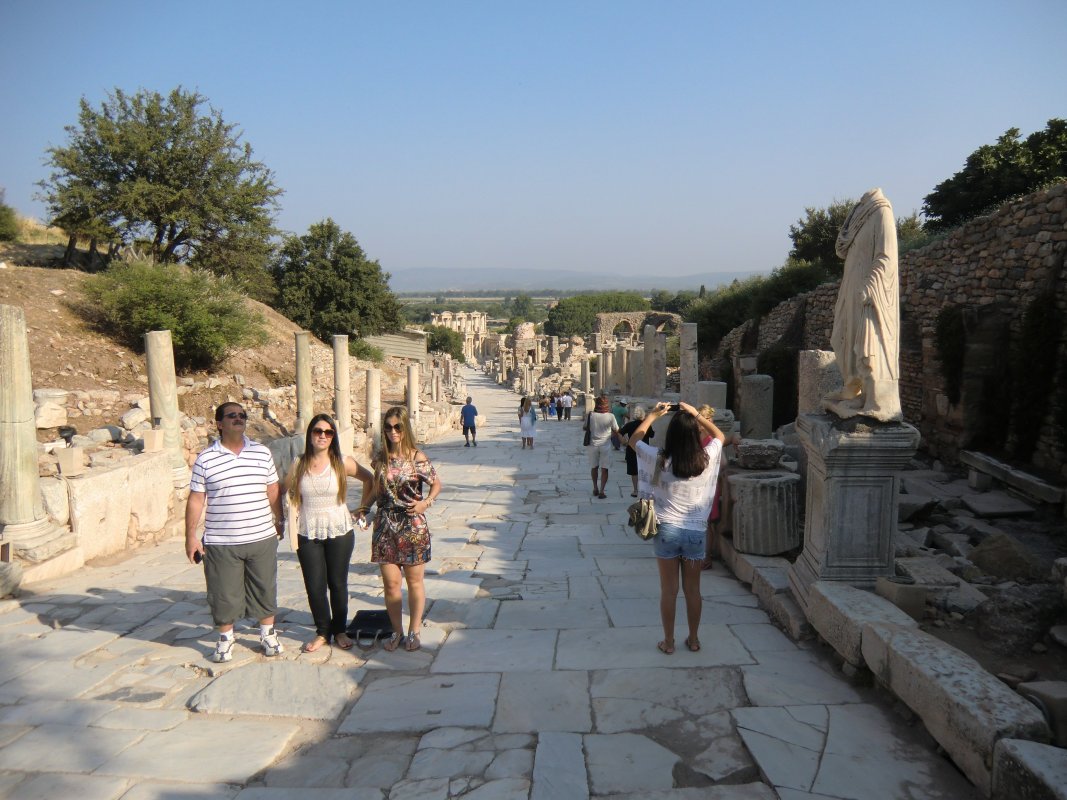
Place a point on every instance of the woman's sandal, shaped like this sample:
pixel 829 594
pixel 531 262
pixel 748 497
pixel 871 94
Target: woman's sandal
pixel 342 641
pixel 413 643
pixel 393 642
pixel 314 644
pixel 693 644
pixel 666 646
pixel 602 496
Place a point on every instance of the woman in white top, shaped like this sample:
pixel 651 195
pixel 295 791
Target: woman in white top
pixel 601 424
pixel 527 422
pixel 682 489
pixel 317 484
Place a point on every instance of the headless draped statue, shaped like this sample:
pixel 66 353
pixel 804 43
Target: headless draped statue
pixel 866 330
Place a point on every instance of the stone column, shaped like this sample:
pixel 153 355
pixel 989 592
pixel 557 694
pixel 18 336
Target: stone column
pixel 305 397
pixel 658 378
pixel 435 387
pixel 24 526
pixel 711 393
pixel 757 406
pixel 637 372
pixel 622 368
pixel 587 381
pixel 413 394
pixel 553 349
pixel 163 400
pixel 648 390
pixel 851 501
pixel 604 367
pixel 618 377
pixel 817 376
pixel 342 394
pixel 373 427
pixel 766 517
pixel 689 362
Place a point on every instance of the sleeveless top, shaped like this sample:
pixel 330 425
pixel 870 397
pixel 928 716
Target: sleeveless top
pixel 321 516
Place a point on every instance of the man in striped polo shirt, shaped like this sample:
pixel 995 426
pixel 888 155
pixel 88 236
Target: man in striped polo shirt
pixel 235 478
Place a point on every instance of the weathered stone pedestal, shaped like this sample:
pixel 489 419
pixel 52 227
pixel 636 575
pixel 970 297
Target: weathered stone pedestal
pixel 766 518
pixel 851 504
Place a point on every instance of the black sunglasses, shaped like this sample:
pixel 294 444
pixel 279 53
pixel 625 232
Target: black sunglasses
pixel 236 415
pixel 398 427
pixel 327 432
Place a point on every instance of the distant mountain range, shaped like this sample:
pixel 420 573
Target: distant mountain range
pixel 466 280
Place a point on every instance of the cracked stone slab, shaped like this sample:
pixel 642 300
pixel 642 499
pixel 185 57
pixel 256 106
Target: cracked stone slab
pixel 217 750
pixel 274 793
pixel 57 785
pixel 532 702
pixel 80 751
pixel 634 699
pixel 747 791
pixel 797 678
pixel 551 614
pixel 634 648
pixel 628 762
pixel 559 768
pixel 475 650
pixel 280 689
pixel 423 703
pixel 629 613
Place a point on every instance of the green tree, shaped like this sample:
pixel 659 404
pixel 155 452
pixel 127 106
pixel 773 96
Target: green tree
pixel 445 340
pixel 576 316
pixel 815 236
pixel 997 172
pixel 9 223
pixel 328 285
pixel 161 171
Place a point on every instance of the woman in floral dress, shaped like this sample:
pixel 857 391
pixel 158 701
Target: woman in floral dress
pixel 401 542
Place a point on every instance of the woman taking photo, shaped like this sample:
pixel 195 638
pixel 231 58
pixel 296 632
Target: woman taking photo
pixel 317 484
pixel 681 479
pixel 400 545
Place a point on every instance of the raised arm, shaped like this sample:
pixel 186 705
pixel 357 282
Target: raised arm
pixel 705 423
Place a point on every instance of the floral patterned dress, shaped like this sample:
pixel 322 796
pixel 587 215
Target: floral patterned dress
pixel 400 537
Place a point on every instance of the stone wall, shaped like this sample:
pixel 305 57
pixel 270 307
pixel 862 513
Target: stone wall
pixel 993 266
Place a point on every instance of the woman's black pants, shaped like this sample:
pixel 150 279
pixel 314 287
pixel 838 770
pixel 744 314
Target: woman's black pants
pixel 324 563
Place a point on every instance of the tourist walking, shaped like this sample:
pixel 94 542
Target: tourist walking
pixel 235 481
pixel 543 405
pixel 621 413
pixel 400 545
pixel 681 479
pixel 469 415
pixel 601 424
pixel 625 432
pixel 527 423
pixel 568 403
pixel 316 487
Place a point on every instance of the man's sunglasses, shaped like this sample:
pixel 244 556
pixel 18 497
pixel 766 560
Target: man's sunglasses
pixel 236 415
pixel 327 432
pixel 389 427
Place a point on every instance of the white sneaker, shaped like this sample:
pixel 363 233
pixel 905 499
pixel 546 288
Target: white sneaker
pixel 271 645
pixel 223 650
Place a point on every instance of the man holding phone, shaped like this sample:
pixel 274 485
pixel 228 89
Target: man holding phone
pixel 236 481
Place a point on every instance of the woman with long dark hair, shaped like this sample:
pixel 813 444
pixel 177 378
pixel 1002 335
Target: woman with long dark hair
pixel 680 479
pixel 317 485
pixel 401 542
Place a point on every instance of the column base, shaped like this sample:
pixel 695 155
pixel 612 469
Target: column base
pixel 38 540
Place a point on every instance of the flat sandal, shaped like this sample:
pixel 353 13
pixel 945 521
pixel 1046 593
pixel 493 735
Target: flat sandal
pixel 393 642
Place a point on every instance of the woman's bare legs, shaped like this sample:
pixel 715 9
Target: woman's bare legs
pixel 394 601
pixel 668 598
pixel 592 473
pixel 693 604
pixel 416 596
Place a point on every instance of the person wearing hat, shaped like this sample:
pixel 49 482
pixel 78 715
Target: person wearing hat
pixel 602 429
pixel 621 413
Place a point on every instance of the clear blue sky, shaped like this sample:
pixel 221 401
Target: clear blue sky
pixel 630 137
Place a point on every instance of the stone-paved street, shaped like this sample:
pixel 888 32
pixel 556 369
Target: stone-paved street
pixel 539 675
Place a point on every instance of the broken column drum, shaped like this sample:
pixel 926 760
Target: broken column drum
pixel 689 364
pixel 305 399
pixel 163 400
pixel 766 516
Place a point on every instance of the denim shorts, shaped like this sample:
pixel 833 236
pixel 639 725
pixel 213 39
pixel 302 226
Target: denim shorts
pixel 671 541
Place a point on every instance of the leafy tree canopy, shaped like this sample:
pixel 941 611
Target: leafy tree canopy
pixel 328 285
pixel 815 236
pixel 166 174
pixel 9 223
pixel 576 316
pixel 674 303
pixel 445 340
pixel 997 172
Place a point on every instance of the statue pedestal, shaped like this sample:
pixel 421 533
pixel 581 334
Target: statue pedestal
pixel 852 495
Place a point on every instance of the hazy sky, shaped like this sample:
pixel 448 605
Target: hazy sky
pixel 661 138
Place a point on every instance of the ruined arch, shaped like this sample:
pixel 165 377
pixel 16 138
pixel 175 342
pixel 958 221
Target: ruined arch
pixel 636 321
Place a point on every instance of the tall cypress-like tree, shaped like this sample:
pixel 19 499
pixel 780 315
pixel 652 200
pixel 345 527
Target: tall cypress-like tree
pixel 327 284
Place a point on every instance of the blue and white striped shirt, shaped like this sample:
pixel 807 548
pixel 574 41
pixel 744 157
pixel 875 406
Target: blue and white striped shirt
pixel 238 511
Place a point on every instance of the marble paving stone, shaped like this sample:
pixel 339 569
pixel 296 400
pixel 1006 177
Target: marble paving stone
pixel 725 759
pixel 511 764
pixel 220 750
pixel 58 712
pixel 420 703
pixel 559 768
pixel 627 762
pixel 446 738
pixel 634 699
pixel 618 566
pixel 795 678
pixel 584 587
pixel 748 791
pixel 645 613
pixel 496 651
pixel 434 763
pixel 507 789
pixel 9 733
pixel 451 586
pixel 280 689
pixel 531 702
pixel 56 785
pixel 762 638
pixel 869 756
pixel 269 793
pixel 79 752
pixel 142 719
pixel 302 770
pixel 621 587
pixel 541 567
pixel 555 615
pixel 794 794
pixel 61 645
pixel 632 648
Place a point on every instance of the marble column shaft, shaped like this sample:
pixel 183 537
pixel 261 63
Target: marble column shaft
pixel 413 393
pixel 587 382
pixel 342 397
pixel 163 400
pixel 305 397
pixel 757 406
pixel 659 365
pixel 649 338
pixel 374 408
pixel 20 492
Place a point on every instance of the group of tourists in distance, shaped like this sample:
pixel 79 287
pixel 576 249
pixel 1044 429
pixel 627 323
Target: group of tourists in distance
pixel 237 490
